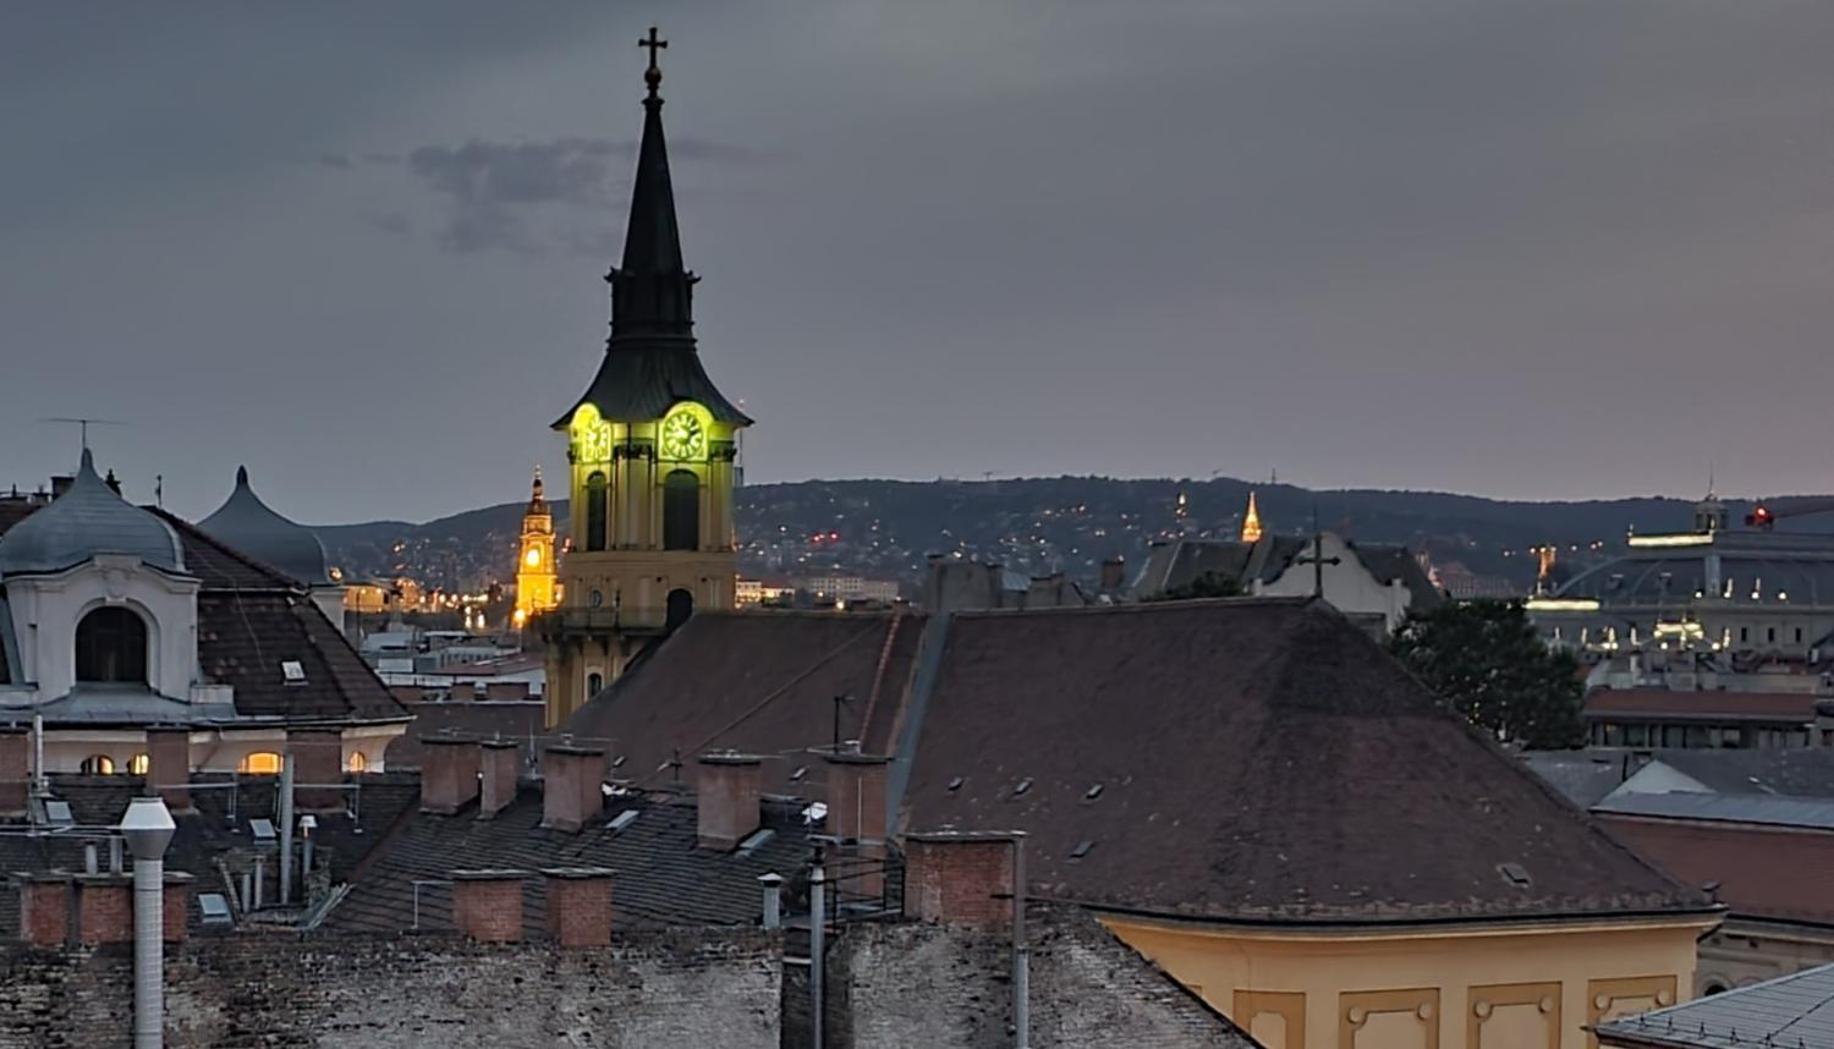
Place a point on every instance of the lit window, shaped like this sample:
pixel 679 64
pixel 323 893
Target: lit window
pixel 97 765
pixel 138 765
pixel 358 763
pixel 533 557
pixel 265 763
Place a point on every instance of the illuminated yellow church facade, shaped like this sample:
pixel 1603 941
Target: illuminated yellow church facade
pixel 652 448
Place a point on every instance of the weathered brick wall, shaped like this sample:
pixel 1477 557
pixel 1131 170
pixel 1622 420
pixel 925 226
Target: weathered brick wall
pixel 892 986
pixel 680 987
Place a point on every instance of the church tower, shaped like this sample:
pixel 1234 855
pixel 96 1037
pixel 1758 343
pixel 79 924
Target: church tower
pixel 653 451
pixel 535 579
pixel 1251 521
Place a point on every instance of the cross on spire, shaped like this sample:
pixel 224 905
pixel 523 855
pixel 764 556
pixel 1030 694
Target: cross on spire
pixel 1318 560
pixel 653 75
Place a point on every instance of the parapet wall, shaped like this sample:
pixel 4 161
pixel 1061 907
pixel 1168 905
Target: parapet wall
pixel 688 987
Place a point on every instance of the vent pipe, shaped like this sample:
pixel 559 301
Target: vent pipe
pixel 286 829
pixel 773 899
pixel 148 828
pixel 818 959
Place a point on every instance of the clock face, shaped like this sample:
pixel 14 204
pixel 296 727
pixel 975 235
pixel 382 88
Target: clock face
pixel 684 435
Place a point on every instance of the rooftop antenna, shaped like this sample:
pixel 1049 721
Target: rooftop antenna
pixel 83 425
pixel 159 491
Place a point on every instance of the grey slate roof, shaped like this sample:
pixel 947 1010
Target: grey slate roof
pixel 255 529
pixel 1583 776
pixel 1806 773
pixel 87 520
pixel 1724 808
pixel 660 875
pixel 1790 1012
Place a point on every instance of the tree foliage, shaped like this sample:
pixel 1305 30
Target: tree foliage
pixel 1209 584
pixel 1486 660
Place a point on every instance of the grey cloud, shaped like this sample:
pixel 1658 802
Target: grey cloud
pixel 492 193
pixel 390 222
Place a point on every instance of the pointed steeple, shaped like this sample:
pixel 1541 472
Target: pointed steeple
pixel 651 289
pixel 1251 521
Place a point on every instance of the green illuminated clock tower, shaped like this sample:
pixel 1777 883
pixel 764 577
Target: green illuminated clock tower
pixel 653 445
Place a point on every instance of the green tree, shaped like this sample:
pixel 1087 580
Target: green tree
pixel 1486 660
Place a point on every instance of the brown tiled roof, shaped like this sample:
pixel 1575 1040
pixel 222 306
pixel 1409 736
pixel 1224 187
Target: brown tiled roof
pixel 1765 873
pixel 1651 704
pixel 660 876
pixel 763 682
pixel 1258 759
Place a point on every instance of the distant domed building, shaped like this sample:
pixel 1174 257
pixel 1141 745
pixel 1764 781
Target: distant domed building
pixel 141 642
pixel 255 529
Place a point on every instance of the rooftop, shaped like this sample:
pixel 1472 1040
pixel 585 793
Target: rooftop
pixel 1790 1012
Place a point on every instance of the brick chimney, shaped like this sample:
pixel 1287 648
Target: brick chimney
pixel 959 877
pixel 15 769
pixel 729 788
pixel 318 758
pixel 168 753
pixel 487 904
pixel 177 902
pixel 1114 575
pixel 104 908
pixel 448 774
pixel 579 905
pixel 571 777
pixel 44 909
pixel 499 767
pixel 856 813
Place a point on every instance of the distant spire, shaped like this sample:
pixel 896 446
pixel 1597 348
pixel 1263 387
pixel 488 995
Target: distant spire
pixel 535 493
pixel 1251 521
pixel 241 477
pixel 651 289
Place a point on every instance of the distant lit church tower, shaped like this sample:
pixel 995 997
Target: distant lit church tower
pixel 653 448
pixel 535 579
pixel 1251 521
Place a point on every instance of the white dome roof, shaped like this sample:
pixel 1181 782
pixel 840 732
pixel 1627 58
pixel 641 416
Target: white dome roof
pixel 87 520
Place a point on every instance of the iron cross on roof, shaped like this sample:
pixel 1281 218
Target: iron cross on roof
pixel 653 75
pixel 1317 560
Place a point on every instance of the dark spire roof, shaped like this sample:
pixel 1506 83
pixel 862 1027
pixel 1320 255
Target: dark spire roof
pixel 650 360
pixel 251 527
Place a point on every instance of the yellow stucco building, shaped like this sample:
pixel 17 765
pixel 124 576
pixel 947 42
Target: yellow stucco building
pixel 653 453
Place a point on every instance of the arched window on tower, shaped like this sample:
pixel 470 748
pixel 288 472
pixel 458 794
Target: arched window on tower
pixel 111 647
pixel 595 511
pixel 681 511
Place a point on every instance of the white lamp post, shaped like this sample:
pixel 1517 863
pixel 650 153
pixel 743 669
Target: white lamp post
pixel 148 828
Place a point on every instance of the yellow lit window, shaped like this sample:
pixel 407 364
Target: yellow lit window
pixel 265 763
pixel 138 765
pixel 98 765
pixel 533 557
pixel 358 763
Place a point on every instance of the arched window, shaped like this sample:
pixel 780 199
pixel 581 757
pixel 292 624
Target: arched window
pixel 357 762
pixel 111 646
pixel 138 765
pixel 681 511
pixel 97 765
pixel 595 511
pixel 262 763
pixel 594 684
pixel 681 606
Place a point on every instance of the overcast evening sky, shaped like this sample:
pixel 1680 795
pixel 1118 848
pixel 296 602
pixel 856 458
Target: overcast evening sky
pixel 1535 248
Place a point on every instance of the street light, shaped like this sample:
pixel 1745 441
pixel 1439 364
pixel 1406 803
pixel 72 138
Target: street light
pixel 148 828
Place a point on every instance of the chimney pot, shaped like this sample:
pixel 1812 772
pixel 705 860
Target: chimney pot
pixel 487 904
pixel 571 777
pixel 730 790
pixel 448 774
pixel 579 905
pixel 499 767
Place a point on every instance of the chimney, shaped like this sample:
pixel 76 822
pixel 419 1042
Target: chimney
pixel 856 813
pixel 959 877
pixel 487 904
pixel 168 752
pixel 448 774
pixel 60 484
pixel 15 769
pixel 729 789
pixel 104 908
pixel 318 762
pixel 177 905
pixel 1114 575
pixel 571 778
pixel 500 765
pixel 579 905
pixel 44 909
